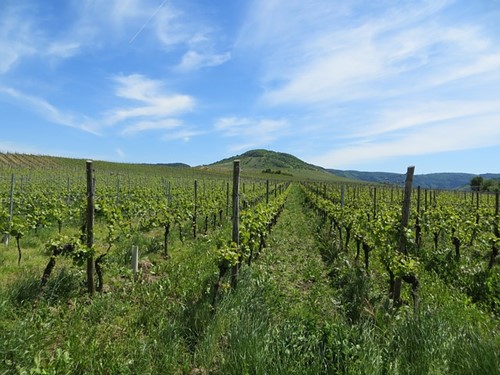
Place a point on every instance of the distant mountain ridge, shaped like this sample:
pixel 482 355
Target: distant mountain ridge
pixel 446 180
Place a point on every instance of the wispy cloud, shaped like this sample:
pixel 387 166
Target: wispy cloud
pixel 425 113
pixel 320 52
pixel 184 134
pixel 194 60
pixel 154 102
pixel 173 27
pixel 24 35
pixel 252 133
pixel 154 112
pixel 143 126
pixel 444 137
pixel 99 25
pixel 50 112
pixel 17 38
pixel 381 74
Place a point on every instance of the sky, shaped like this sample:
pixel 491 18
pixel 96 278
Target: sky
pixel 344 84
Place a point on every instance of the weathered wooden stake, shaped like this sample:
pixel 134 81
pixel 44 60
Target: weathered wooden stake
pixel 227 199
pixel 342 195
pixel 90 228
pixel 418 227
pixel 11 209
pixel 267 191
pixel 118 189
pixel 396 297
pixel 11 205
pixel 497 205
pixel 169 194
pixel 68 196
pixel 477 208
pixel 236 216
pixel 195 207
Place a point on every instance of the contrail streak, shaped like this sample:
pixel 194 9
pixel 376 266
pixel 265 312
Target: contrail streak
pixel 146 23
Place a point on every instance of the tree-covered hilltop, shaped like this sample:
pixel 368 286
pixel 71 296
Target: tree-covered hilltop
pixel 263 159
pixel 479 183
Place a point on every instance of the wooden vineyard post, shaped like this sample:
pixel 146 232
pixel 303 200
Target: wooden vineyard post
pixel 477 207
pixel 418 227
pixel 396 293
pixel 495 247
pixel 90 228
pixel 118 190
pixel 267 191
pixel 11 208
pixel 169 194
pixel 227 199
pixel 68 196
pixel 236 217
pixel 195 207
pixel 342 196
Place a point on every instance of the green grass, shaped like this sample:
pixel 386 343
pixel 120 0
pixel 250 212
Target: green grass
pixel 303 307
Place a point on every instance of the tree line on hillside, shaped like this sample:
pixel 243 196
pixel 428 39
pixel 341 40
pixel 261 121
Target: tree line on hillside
pixel 479 183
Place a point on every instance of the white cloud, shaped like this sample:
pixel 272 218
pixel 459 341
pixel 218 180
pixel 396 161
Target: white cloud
pixel 421 114
pixel 24 35
pixel 50 112
pixel 63 49
pixel 185 135
pixel 449 136
pixel 378 80
pixel 99 25
pixel 155 101
pixel 172 27
pixel 252 133
pixel 320 52
pixel 193 60
pixel 142 126
pixel 17 39
pixel 155 111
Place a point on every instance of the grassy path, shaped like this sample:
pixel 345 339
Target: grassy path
pixel 295 264
pixel 274 323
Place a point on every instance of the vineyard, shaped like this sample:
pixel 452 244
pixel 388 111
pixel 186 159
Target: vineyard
pixel 125 270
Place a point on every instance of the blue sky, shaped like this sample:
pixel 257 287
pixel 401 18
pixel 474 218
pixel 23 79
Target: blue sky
pixel 366 85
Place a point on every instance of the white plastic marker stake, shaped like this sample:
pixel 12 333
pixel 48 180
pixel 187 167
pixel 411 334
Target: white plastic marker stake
pixel 135 259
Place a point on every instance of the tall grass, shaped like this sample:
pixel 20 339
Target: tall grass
pixel 295 311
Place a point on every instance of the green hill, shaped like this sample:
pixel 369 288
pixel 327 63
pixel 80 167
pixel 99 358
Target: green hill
pixel 276 164
pixel 262 159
